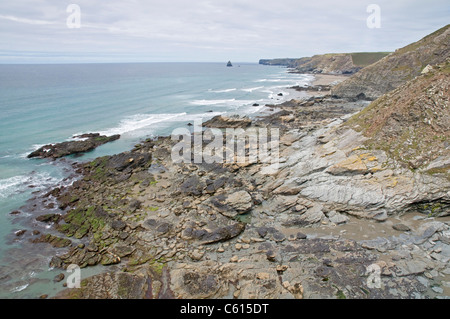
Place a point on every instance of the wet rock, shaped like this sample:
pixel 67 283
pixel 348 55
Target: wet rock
pixel 110 259
pixel 72 147
pixel 53 240
pixel 127 161
pixel 20 232
pixel 59 278
pixel 223 233
pixel 227 122
pixel 123 251
pixel 49 218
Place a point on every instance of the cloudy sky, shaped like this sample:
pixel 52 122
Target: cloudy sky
pixel 36 31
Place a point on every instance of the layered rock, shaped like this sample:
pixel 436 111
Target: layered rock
pixel 221 121
pixel 332 63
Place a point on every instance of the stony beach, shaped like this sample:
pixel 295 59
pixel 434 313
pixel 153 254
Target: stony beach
pixel 333 219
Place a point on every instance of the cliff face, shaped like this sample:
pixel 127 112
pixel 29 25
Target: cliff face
pixel 290 63
pixel 411 122
pixel 337 63
pixel 332 63
pixel 397 68
pixel 328 63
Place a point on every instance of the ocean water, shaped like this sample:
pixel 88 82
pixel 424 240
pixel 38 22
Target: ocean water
pixel 41 104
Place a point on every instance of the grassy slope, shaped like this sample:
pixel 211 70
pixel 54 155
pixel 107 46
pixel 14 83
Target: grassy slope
pixel 411 123
pixel 363 59
pixel 397 68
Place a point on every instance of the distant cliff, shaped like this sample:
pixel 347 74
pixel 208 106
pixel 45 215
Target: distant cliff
pixel 338 63
pixel 333 63
pixel 397 68
pixel 281 62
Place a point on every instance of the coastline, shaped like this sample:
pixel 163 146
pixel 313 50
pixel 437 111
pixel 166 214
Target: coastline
pixel 328 79
pixel 179 226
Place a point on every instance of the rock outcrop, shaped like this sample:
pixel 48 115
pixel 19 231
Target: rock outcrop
pixel 221 121
pixel 83 144
pixel 397 68
pixel 411 123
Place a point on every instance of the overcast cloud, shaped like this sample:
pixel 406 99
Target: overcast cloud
pixel 180 30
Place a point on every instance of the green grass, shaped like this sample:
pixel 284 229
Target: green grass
pixel 363 59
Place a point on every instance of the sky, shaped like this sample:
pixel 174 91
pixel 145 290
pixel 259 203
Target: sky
pixel 42 31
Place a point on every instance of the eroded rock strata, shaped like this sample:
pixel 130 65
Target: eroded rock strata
pixel 335 212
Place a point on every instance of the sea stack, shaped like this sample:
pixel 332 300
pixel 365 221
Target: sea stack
pixel 229 64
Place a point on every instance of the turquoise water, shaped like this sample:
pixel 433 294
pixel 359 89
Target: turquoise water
pixel 41 104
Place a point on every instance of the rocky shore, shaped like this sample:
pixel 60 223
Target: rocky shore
pixel 81 144
pixel 334 219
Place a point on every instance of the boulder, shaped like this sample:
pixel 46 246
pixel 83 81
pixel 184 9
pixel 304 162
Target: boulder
pixel 227 122
pixel 311 216
pixel 337 218
pixel 234 204
pixel 223 233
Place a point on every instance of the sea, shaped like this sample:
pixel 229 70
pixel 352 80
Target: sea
pixel 49 103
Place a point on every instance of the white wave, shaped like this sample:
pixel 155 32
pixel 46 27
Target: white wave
pixel 18 184
pixel 252 89
pixel 211 102
pixel 223 91
pixel 274 80
pixel 33 148
pixel 140 121
pixel 231 103
pixel 200 116
pixel 252 109
pixel 19 288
